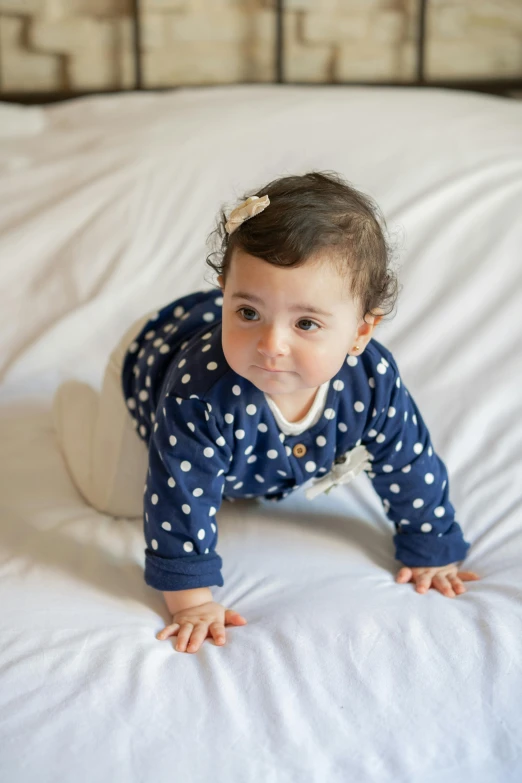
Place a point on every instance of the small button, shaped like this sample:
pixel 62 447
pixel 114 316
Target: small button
pixel 299 450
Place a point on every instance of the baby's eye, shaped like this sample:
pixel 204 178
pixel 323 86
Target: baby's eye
pixel 307 326
pixel 248 313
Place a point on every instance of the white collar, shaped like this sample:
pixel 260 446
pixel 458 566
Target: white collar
pixel 311 418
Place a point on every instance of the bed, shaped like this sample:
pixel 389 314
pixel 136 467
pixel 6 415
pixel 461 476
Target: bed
pixel 341 674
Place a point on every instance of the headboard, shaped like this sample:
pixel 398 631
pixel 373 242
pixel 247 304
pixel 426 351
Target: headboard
pixel 490 85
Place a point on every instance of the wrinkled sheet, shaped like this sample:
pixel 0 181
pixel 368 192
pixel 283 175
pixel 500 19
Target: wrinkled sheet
pixel 341 674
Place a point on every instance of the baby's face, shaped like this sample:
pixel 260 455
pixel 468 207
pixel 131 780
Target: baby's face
pixel 286 329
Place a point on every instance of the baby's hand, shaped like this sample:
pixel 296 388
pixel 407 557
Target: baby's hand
pixel 446 579
pixel 197 622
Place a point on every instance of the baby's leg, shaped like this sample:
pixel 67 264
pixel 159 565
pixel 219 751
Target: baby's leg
pixel 105 456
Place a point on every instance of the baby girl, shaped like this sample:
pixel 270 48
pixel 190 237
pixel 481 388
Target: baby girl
pixel 271 383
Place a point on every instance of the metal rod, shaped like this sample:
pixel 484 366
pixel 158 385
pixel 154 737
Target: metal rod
pixel 421 41
pixel 136 44
pixel 279 40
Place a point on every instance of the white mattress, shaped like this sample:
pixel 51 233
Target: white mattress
pixel 341 674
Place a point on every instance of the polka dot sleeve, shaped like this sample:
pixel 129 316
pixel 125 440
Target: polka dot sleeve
pixel 188 461
pixel 412 480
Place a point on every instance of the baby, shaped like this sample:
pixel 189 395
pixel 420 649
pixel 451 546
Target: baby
pixel 274 382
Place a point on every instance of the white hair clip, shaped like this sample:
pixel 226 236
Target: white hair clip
pixel 252 206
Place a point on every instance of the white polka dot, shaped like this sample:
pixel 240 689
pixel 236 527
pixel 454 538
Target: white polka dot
pixel 372 433
pixel 385 362
pixel 262 427
pixel 133 347
pixel 444 483
pixel 185 466
pixel 154 499
pixel 429 478
pixel 352 361
pixel 157 342
pixel 211 366
pixel 430 452
pixel 426 527
pixel 131 404
pixel 143 430
pixel 230 478
pixel 154 543
pixel 208 452
pixel 398 383
pixel 310 466
pixel 171 482
pixel 164 349
pixel 404 522
pixel 418 503
pixel 185 508
pixel 191 426
pixel 371 383
pixel 188 546
pixel 147 381
pixel 252 459
pixel 186 378
pixel 271 454
pixel 236 390
pixel 282 437
pixel 156 426
pixel 218 301
pixel 414 419
pixel 251 409
pixel 417 448
pixel 398 447
pixel 439 511
pixel 249 450
pixel 212 525
pixel 381 369
pixel 150 360
pixel 238 485
pixel 150 334
pixel 288 451
pixel 166 526
pixel 220 441
pixel 206 348
pixel 212 511
pixel 405 415
pixel 220 472
pixel 329 413
pixel 380 438
pixel 259 478
pixel 173 440
pixel 406 469
pixel 197 492
pixel 391 411
pixel 338 385
pixel 320 440
pixel 201 534
pixel 141 353
pixel 395 488
pixel 240 434
pixel 143 395
pixel 178 311
pixel 342 427
pixel 208 317
pixel 387 468
pixel 358 406
pixel 372 475
pixel 229 418
pixel 179 400
pixel 281 472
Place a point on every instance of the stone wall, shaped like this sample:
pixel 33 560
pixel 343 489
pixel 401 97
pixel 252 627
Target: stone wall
pixel 87 44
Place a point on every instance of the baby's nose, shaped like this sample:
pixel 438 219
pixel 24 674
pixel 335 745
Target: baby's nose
pixel 272 342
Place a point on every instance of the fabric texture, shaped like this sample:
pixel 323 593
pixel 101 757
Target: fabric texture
pixel 212 434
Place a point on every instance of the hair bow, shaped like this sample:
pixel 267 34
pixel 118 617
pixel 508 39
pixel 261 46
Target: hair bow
pixel 252 206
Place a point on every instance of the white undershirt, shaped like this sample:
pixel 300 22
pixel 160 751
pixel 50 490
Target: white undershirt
pixel 311 418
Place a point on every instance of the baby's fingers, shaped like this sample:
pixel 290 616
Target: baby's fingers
pixel 169 630
pixel 422 582
pixel 467 576
pixel 234 618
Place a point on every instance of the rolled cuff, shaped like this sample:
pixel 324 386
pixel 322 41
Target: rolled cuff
pixel 183 573
pixel 429 550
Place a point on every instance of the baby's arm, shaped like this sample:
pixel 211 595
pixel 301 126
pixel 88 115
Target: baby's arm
pixel 413 484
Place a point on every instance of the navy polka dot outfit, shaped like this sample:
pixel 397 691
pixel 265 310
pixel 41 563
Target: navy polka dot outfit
pixel 212 435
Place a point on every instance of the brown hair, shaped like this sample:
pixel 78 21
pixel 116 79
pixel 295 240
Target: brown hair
pixel 310 213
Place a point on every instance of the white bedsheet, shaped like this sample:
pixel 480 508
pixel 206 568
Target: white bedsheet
pixel 341 674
